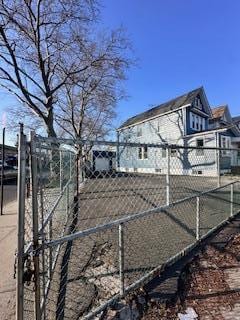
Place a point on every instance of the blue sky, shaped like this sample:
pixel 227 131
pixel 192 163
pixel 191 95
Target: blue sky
pixel 180 45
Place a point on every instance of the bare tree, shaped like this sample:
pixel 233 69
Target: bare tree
pixel 37 47
pixel 86 105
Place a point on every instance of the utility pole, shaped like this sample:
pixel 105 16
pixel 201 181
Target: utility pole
pixel 2 169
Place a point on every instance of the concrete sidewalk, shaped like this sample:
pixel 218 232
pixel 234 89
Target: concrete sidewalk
pixel 8 245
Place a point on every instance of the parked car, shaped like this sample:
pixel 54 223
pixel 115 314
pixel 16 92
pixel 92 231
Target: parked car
pixel 12 161
pixel 9 172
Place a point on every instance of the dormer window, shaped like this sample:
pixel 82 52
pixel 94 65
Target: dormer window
pixel 197 103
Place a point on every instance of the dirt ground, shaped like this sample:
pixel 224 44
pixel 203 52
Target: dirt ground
pixel 211 287
pixel 8 232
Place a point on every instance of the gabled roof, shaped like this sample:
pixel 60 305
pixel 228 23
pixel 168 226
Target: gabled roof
pixel 218 112
pixel 174 104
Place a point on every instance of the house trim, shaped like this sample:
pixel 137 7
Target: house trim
pixel 205 132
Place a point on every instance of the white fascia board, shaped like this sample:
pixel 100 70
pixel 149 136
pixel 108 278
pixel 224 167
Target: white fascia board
pixel 206 132
pixel 199 112
pixel 155 117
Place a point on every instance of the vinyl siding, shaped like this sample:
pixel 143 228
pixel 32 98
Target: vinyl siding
pixel 171 130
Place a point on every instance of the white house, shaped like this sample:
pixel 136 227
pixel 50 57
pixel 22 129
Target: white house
pixel 186 121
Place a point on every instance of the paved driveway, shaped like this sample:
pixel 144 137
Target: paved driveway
pixel 106 199
pixel 88 269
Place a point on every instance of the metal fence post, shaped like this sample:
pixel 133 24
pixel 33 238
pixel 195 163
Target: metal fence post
pixel 43 262
pixel 60 172
pixel 198 219
pixel 121 257
pixel 168 176
pixel 67 198
pixel 70 165
pixel 21 221
pixel 2 171
pixel 219 168
pixel 118 151
pixel 231 199
pixel 218 163
pixel 34 182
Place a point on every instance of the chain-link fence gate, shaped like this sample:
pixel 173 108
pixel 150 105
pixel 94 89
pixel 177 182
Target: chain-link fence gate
pixel 98 219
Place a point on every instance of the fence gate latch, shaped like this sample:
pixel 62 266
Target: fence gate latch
pixel 28 271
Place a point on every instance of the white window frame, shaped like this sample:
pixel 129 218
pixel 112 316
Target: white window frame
pixel 143 153
pixel 193 121
pixel 225 144
pixel 198 123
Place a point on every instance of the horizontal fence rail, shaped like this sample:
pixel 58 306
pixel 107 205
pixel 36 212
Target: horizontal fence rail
pixel 101 218
pixel 83 142
pixel 143 214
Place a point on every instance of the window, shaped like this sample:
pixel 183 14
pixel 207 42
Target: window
pixel 140 153
pixel 201 124
pixel 197 103
pixel 225 145
pixel 197 171
pixel 228 143
pixel 164 153
pixel 224 142
pixel 197 122
pixel 173 153
pixel 139 132
pixel 143 152
pixel 200 145
pixel 193 121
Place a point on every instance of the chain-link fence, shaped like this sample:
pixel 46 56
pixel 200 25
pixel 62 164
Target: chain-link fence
pixel 101 218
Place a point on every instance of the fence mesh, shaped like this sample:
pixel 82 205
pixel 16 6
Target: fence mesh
pixel 137 207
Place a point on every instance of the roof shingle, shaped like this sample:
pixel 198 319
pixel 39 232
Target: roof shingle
pixel 218 112
pixel 173 104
